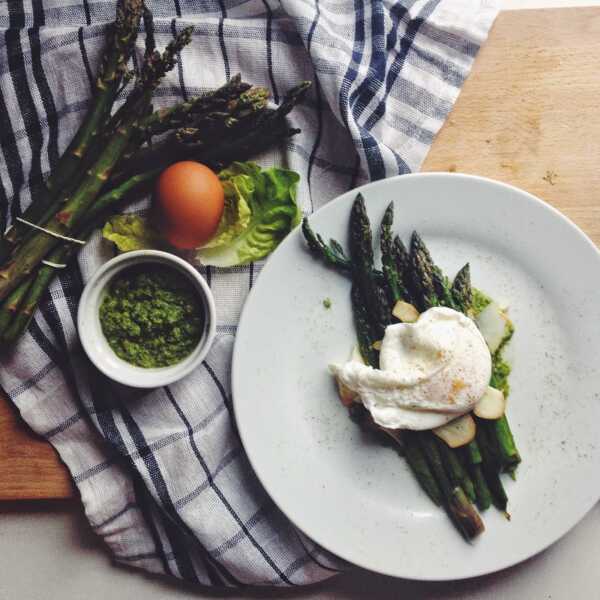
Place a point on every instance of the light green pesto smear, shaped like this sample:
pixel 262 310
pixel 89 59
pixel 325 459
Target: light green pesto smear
pixel 500 368
pixel 151 316
pixel 479 301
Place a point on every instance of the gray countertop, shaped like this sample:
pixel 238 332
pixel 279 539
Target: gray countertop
pixel 49 552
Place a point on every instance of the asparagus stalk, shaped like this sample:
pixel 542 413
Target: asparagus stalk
pixel 12 304
pixel 403 267
pixel 29 255
pixel 17 311
pixel 422 269
pixel 418 463
pixel 412 452
pixel 461 290
pixel 212 126
pixel 73 211
pixel 491 468
pixel 180 115
pixel 252 137
pixel 499 431
pixel 331 254
pixel 363 328
pixel 119 47
pixel 473 453
pixel 432 286
pixel 361 252
pixel 483 495
pixel 119 44
pixel 460 510
pixel 455 470
pixel 231 136
pixel 457 503
pixel 473 459
pixel 35 288
pixel 389 258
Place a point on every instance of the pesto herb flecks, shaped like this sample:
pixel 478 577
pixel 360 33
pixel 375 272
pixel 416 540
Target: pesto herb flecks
pixel 151 316
pixel 500 368
pixel 479 302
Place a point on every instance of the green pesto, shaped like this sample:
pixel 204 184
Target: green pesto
pixel 479 301
pixel 151 316
pixel 500 368
pixel 500 373
pixel 327 302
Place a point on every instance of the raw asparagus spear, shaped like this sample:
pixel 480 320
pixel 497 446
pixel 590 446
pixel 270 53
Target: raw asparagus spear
pixel 29 255
pixel 248 137
pixel 18 309
pixel 184 113
pixel 10 307
pixel 73 211
pixel 119 44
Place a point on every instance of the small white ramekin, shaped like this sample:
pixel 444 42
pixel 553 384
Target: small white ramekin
pixel 95 344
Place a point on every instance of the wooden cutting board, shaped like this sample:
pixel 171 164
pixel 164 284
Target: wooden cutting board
pixel 528 115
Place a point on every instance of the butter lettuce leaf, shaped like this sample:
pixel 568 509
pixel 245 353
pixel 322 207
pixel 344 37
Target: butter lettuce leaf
pixel 132 232
pixel 236 212
pixel 270 195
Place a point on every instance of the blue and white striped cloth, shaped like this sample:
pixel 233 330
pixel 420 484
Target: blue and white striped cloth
pixel 162 476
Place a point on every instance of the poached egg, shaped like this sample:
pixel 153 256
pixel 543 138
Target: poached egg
pixel 431 371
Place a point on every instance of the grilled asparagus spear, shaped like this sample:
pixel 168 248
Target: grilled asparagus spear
pixel 361 253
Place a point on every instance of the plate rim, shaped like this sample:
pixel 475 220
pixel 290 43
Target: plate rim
pixel 235 361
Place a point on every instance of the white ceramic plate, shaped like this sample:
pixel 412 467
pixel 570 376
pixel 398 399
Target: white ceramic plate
pixel 357 498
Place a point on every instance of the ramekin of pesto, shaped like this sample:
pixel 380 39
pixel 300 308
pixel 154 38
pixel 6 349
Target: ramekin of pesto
pixel 146 318
pixel 151 315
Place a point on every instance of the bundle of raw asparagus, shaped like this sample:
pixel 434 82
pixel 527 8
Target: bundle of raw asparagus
pixel 452 477
pixel 113 158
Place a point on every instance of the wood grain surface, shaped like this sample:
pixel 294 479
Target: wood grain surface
pixel 528 115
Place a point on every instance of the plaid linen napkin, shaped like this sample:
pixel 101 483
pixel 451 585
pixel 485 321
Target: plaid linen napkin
pixel 163 477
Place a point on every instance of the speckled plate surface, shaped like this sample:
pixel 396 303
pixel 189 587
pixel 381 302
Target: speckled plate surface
pixel 357 498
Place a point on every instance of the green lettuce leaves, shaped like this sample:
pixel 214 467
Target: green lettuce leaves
pixel 260 210
pixel 269 195
pixel 132 232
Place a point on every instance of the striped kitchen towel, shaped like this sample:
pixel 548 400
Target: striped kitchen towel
pixel 163 477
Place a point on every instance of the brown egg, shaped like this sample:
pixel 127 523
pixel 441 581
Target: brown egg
pixel 190 200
